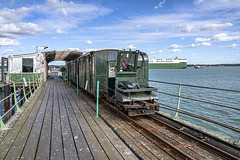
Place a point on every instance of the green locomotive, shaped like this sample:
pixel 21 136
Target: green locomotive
pixel 123 78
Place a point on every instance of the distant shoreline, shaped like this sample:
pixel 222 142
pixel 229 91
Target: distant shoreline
pixel 213 65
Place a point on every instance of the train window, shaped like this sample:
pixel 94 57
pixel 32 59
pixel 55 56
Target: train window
pixel 112 56
pixel 127 62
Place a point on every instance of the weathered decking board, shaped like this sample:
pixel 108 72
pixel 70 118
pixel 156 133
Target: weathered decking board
pixel 58 124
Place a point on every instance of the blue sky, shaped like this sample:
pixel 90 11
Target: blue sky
pixel 203 31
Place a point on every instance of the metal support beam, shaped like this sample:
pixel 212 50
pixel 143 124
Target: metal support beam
pixel 15 98
pixel 178 104
pixel 97 99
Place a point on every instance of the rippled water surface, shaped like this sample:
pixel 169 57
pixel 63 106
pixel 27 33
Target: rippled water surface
pixel 217 77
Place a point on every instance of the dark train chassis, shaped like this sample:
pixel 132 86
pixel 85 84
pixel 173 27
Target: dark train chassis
pixel 136 108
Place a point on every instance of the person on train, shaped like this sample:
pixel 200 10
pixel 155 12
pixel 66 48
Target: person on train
pixel 126 67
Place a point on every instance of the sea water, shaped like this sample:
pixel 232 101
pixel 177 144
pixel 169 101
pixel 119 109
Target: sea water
pixel 217 77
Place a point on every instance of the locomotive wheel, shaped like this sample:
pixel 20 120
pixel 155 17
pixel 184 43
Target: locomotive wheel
pixel 121 108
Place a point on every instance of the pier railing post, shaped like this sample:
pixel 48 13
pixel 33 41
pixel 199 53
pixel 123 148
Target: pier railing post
pixel 238 142
pixel 97 99
pixel 77 84
pixel 15 97
pixel 24 92
pixel 37 79
pixel 67 77
pixel 2 125
pixel 41 79
pixel 33 85
pixel 30 90
pixel 70 79
pixel 178 104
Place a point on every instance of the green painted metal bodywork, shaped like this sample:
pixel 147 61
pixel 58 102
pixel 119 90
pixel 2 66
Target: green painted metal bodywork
pixel 181 65
pixel 94 66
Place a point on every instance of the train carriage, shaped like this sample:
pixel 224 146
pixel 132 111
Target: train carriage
pixel 106 66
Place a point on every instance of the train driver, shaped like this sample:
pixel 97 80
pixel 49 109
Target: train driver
pixel 126 67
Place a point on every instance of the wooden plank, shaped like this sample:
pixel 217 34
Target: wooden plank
pixel 56 141
pixel 70 151
pixel 125 152
pixel 108 147
pixel 30 149
pixel 43 149
pixel 136 140
pixel 80 141
pixel 22 125
pixel 95 147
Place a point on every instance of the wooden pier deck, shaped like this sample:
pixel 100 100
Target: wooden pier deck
pixel 58 124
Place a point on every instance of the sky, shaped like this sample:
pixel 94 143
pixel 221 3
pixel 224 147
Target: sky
pixel 201 31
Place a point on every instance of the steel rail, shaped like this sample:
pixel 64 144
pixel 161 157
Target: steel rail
pixel 203 144
pixel 188 85
pixel 222 105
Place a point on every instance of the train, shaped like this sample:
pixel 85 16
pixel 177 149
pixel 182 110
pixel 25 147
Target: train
pixel 123 79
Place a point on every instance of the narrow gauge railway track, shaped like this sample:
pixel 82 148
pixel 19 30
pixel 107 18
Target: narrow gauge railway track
pixel 188 143
pixel 176 143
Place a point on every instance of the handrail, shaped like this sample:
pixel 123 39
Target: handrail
pixel 38 82
pixel 177 110
pixel 188 85
pixel 236 129
pixel 209 102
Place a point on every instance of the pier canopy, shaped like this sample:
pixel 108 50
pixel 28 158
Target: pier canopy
pixel 64 55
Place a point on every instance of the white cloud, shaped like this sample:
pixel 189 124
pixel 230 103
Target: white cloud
pixel 233 45
pixel 198 39
pixel 52 3
pixel 88 42
pixel 188 28
pixel 7 51
pixel 175 46
pixel 229 46
pixel 154 52
pixel 64 12
pixel 67 15
pixel 21 28
pixel 214 26
pixel 199 1
pixel 160 4
pixel 224 37
pixel 199 44
pixel 4 42
pixel 175 50
pixel 217 5
pixel 131 46
pixel 73 49
pixel 59 31
pixel 13 15
pixel 89 50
